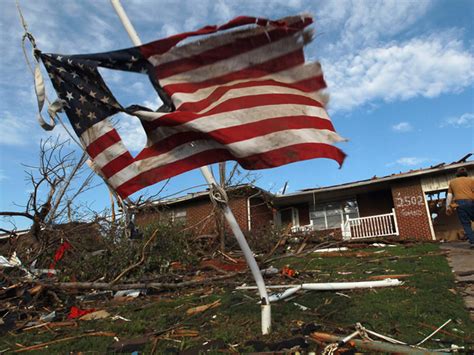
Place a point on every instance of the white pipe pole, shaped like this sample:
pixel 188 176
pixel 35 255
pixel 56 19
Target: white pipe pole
pixel 126 22
pixel 206 172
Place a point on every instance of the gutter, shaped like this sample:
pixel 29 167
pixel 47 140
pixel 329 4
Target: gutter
pixel 378 180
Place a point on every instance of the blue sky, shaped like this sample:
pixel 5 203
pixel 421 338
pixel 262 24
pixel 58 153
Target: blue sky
pixel 400 76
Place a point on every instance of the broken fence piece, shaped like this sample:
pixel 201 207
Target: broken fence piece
pixel 330 286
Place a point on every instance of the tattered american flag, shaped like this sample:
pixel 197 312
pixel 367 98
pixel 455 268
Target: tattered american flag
pixel 241 92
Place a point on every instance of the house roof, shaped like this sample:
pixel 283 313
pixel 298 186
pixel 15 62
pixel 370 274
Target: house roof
pixel 334 191
pixel 201 195
pixel 362 185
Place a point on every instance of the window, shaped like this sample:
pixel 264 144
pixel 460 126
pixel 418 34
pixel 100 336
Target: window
pixel 331 215
pixel 178 216
pixel 175 215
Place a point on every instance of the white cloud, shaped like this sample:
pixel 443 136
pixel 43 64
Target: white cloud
pixel 465 120
pixel 409 161
pixel 131 132
pixel 2 175
pixel 402 127
pixel 13 130
pixel 417 68
pixel 365 23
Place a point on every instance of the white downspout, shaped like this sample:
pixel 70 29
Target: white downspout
pixel 249 218
pixel 430 222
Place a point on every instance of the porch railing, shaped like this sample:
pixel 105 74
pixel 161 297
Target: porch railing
pixel 370 227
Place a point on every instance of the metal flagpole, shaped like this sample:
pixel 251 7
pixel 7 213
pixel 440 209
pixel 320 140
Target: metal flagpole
pixel 206 172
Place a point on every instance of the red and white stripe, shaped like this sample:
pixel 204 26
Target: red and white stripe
pixel 245 95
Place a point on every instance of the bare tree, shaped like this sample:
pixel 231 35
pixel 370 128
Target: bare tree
pixel 52 195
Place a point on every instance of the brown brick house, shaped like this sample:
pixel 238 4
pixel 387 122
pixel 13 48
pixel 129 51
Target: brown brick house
pixel 409 205
pixel 251 206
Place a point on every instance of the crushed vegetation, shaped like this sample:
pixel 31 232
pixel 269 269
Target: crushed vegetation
pixel 167 293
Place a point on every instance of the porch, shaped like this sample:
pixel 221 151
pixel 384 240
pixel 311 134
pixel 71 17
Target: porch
pixel 382 225
pixel 357 214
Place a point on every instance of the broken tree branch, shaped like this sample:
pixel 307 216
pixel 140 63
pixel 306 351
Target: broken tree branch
pixel 155 285
pixel 142 259
pixel 43 345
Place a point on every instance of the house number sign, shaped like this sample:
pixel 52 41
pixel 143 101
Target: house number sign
pixel 408 201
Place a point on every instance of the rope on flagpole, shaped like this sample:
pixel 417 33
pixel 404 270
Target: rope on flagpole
pixel 36 53
pixel 56 106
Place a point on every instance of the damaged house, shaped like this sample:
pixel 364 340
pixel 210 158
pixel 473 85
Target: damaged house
pixel 407 205
pixel 252 208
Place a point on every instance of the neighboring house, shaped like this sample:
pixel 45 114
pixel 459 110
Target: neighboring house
pixel 250 205
pixel 409 205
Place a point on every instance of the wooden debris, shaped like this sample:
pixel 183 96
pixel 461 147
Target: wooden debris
pixel 369 346
pixel 228 257
pixel 95 315
pixel 62 340
pixel 199 309
pixel 141 285
pixel 181 333
pixel 35 290
pixel 52 325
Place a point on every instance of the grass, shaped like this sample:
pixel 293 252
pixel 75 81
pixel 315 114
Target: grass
pixel 427 297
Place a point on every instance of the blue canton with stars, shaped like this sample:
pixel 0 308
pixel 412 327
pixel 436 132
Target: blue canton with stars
pixel 78 83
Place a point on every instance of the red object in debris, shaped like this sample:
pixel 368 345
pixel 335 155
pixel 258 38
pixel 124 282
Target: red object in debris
pixel 59 255
pixel 287 271
pixel 76 312
pixel 217 264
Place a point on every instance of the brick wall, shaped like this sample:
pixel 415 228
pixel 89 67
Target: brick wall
pixel 410 209
pixel 261 214
pixel 375 203
pixel 144 218
pixel 199 214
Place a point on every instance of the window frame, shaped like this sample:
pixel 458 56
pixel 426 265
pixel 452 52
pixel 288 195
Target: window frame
pixel 322 210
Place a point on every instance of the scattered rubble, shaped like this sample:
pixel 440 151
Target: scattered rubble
pixel 60 300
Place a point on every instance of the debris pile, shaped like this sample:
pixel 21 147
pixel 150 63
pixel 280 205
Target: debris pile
pixel 75 289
